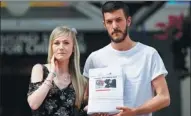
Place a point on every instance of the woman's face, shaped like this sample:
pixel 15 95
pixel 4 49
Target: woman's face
pixel 62 47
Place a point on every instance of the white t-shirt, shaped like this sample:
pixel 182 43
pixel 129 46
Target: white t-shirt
pixel 141 64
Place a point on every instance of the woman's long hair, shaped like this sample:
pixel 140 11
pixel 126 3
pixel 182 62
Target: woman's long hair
pixel 78 81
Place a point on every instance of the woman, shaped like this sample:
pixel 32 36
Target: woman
pixel 57 88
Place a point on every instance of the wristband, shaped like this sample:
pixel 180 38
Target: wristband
pixel 48 80
pixel 54 74
pixel 48 84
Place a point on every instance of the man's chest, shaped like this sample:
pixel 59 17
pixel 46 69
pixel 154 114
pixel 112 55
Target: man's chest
pixel 134 68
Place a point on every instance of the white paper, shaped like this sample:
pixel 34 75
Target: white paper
pixel 105 90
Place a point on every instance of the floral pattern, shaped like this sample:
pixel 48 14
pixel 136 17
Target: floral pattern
pixel 58 102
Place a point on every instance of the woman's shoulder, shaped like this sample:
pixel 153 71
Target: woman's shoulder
pixel 36 74
pixel 47 66
pixel 37 67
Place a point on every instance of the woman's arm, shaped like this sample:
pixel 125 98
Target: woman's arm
pixel 38 96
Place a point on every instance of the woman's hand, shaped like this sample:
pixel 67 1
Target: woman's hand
pixel 100 114
pixel 96 114
pixel 53 68
pixel 53 64
pixel 86 108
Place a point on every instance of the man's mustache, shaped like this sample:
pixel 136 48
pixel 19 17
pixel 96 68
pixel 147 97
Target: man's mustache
pixel 115 31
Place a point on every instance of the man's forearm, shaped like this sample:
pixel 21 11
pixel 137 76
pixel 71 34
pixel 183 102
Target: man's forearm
pixel 155 104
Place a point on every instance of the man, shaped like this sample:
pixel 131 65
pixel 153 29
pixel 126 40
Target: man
pixel 143 67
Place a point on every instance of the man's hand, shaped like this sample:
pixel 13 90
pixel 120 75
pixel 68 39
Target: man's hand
pixel 125 111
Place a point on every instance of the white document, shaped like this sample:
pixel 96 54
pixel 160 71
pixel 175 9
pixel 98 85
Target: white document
pixel 105 90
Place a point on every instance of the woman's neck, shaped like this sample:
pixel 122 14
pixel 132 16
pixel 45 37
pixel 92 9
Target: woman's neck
pixel 63 67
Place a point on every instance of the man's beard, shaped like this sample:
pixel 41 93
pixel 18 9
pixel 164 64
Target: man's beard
pixel 120 39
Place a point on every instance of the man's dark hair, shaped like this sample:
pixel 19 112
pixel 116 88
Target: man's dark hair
pixel 111 6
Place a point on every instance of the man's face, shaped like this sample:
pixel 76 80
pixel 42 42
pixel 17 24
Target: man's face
pixel 117 25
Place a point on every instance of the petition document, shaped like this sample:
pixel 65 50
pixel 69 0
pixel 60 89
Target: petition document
pixel 105 90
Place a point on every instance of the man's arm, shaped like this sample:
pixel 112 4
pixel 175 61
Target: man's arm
pixel 161 100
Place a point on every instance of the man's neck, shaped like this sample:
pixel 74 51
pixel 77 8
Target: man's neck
pixel 124 45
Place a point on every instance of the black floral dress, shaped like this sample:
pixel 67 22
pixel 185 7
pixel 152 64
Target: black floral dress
pixel 59 102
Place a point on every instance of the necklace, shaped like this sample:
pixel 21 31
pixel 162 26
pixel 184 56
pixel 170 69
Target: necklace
pixel 65 76
pixel 62 81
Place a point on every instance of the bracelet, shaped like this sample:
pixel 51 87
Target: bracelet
pixel 48 80
pixel 54 74
pixel 49 85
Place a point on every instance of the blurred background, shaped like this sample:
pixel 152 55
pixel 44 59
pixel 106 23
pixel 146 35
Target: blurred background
pixel 26 26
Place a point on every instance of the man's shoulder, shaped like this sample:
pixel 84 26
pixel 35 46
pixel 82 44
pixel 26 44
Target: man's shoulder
pixel 147 48
pixel 99 52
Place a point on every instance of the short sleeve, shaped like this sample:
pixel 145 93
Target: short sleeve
pixel 88 65
pixel 33 87
pixel 157 66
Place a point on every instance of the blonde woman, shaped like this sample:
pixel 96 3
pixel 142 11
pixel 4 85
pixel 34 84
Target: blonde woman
pixel 57 88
